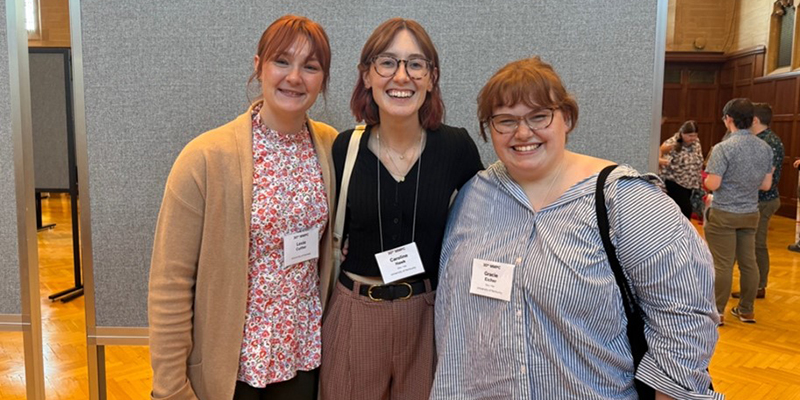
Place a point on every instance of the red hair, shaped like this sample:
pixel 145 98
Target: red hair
pixel 530 81
pixel 282 33
pixel 363 105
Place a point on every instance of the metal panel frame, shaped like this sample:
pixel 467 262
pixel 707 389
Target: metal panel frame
pixel 30 321
pixel 95 351
pixel 658 83
pixel 96 337
pixel 12 323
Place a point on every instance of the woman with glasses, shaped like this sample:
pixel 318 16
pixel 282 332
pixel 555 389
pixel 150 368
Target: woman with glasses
pixel 235 303
pixel 528 306
pixel 378 334
pixel 681 162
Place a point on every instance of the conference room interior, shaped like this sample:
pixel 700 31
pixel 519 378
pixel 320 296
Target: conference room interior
pixel 715 50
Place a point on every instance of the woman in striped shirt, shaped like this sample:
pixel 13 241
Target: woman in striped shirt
pixel 528 307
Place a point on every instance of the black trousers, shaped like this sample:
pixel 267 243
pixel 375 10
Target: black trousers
pixel 301 387
pixel 682 196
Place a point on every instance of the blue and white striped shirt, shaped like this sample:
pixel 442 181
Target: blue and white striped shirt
pixel 562 335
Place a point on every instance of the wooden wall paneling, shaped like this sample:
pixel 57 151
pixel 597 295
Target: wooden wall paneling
pixel 763 92
pixel 741 90
pixel 705 130
pixel 726 74
pixel 700 102
pixel 758 65
pixel 785 100
pixel 671 107
pixel 744 70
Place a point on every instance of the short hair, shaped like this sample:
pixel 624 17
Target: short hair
pixel 689 126
pixel 741 111
pixel 282 33
pixel 764 112
pixel 363 106
pixel 530 81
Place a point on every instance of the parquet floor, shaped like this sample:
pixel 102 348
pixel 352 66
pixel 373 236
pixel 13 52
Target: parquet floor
pixel 752 362
pixel 64 329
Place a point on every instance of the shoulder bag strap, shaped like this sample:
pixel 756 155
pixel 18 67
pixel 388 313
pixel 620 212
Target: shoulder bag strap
pixel 349 162
pixel 635 328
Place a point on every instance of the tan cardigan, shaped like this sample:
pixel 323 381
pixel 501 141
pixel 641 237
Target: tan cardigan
pixel 198 275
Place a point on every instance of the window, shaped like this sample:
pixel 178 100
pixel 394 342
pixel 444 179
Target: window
pixel 787 31
pixel 781 54
pixel 32 18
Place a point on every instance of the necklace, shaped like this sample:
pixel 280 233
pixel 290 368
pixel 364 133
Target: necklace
pixel 552 181
pixel 402 154
pixel 396 167
pixel 416 192
pixel 400 171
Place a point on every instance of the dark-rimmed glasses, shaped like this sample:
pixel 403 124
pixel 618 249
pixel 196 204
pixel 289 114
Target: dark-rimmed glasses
pixel 416 68
pixel 535 120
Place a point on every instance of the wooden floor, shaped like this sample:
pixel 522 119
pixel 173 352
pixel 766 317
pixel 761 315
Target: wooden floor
pixel 760 361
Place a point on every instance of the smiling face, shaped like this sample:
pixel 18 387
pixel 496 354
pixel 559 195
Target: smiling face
pixel 399 96
pixel 527 154
pixel 290 83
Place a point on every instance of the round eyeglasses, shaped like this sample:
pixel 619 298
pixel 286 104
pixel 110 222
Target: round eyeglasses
pixel 386 66
pixel 507 123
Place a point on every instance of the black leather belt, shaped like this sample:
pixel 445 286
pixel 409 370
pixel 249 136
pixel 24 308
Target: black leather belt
pixel 392 291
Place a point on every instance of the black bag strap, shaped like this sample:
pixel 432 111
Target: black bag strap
pixel 635 328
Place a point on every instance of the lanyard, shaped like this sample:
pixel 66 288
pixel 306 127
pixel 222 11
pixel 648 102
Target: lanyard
pixel 416 190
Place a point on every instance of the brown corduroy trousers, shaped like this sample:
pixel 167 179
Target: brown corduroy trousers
pixel 377 350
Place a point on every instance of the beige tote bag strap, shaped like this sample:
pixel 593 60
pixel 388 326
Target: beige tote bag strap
pixel 341 208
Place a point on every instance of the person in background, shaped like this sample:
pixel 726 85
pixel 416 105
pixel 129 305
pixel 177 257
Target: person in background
pixel 681 164
pixel 528 306
pixel 378 335
pixel 235 304
pixel 738 167
pixel 768 200
pixel 796 246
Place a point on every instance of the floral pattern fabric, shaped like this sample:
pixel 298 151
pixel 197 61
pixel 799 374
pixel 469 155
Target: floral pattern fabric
pixel 284 312
pixel 684 166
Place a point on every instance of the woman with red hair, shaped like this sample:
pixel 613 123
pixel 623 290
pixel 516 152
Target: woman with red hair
pixel 241 262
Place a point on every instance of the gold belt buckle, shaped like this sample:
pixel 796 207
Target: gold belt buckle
pixel 410 292
pixel 369 293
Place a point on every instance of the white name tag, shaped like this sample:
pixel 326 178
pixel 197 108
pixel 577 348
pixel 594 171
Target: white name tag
pixel 299 247
pixel 492 279
pixel 400 262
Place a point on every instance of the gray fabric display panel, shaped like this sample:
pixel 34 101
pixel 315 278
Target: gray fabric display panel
pixel 159 73
pixel 49 117
pixel 10 302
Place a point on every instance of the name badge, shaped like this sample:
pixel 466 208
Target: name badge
pixel 299 247
pixel 399 262
pixel 492 279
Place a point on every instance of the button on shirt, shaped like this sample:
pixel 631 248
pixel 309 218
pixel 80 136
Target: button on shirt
pixel 562 335
pixel 742 160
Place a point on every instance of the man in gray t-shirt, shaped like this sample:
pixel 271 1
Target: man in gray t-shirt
pixel 737 168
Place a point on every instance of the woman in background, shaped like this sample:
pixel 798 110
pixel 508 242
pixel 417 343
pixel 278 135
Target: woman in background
pixel 681 164
pixel 235 305
pixel 378 334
